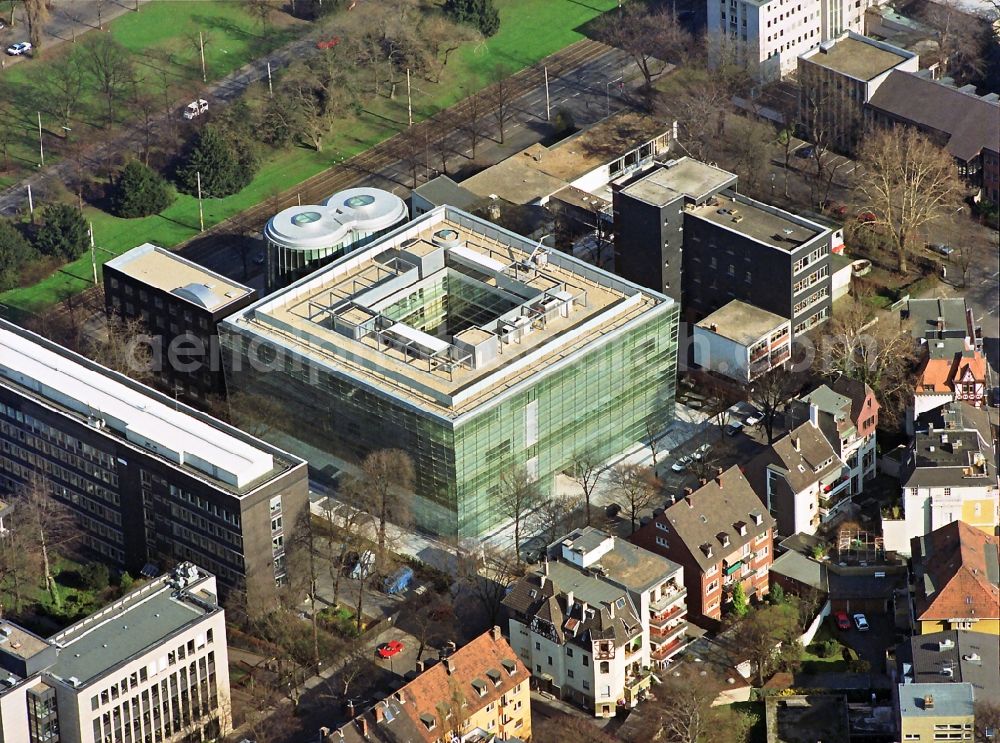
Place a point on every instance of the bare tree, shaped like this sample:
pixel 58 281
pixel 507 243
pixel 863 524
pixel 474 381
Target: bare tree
pixel 37 14
pixel 558 515
pixel 319 93
pixel 700 111
pixel 257 413
pixel 386 478
pixel 654 436
pixel 519 495
pixel 501 98
pixel 987 715
pixel 63 86
pixel 51 524
pixel 19 562
pixel 123 348
pixel 963 39
pixel 634 487
pixel 769 392
pixel 261 10
pixel 110 65
pixel 651 37
pixel 500 568
pixel 750 142
pixel 587 468
pixel 873 352
pixel 470 113
pixel 759 633
pixel 907 183
pixel 343 535
pixel 303 555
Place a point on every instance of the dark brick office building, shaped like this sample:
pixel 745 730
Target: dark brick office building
pixel 684 230
pixel 150 480
pixel 177 300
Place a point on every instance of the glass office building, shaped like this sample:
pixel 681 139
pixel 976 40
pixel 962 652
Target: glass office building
pixel 471 348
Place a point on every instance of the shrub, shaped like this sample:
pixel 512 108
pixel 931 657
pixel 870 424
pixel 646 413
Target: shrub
pixel 139 191
pixel 481 14
pixel 15 253
pixel 63 233
pixel 777 594
pixel 226 166
pixel 126 582
pixel 95 576
pixel 827 649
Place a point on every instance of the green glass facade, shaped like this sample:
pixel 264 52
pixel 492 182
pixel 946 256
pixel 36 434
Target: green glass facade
pixel 599 400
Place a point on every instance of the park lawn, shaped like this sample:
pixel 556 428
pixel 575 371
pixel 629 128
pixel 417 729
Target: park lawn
pixel 518 44
pixel 163 35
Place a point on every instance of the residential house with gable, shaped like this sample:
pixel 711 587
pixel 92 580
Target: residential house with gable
pixel 720 534
pixel 478 694
pixel 801 480
pixel 594 618
pixel 846 411
pixel 956 571
pixel 949 474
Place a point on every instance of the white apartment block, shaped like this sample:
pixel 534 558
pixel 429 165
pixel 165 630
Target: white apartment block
pixel 769 35
pixel 596 617
pixel 150 667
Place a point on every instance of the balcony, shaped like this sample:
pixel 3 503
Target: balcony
pixel 667 598
pixel 658 636
pixel 660 619
pixel 830 489
pixel 667 649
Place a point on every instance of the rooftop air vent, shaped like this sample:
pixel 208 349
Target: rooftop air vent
pixel 447 238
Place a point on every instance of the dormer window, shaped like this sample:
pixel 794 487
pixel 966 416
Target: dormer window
pixel 723 538
pixel 428 721
pixel 494 676
pixel 758 518
pixel 480 686
pixel 741 528
pixel 509 666
pixel 707 549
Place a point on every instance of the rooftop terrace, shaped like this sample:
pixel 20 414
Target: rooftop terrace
pixel 856 57
pixel 691 178
pixel 761 222
pixel 169 272
pixel 742 323
pixel 447 311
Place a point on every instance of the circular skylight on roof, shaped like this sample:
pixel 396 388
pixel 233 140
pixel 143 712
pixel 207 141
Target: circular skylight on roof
pixel 356 202
pixel 446 234
pixel 304 218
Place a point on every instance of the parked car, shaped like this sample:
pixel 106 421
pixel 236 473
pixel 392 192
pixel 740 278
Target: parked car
pixel 701 451
pixel 681 464
pixel 843 622
pixel 752 420
pixel 806 151
pixel 363 568
pixel 866 217
pixel 195 108
pixel 734 428
pixel 21 47
pixel 834 208
pixel 941 249
pixel 389 649
pixel 860 622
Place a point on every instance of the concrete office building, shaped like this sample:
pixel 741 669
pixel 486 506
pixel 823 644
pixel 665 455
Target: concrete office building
pixel 149 480
pixel 180 303
pixel 468 346
pixel 837 79
pixel 768 35
pixel 742 342
pixel 727 246
pixel 151 666
pixel 302 238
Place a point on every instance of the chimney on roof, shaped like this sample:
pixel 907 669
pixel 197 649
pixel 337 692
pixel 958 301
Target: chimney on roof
pixel 545 567
pixel 324 734
pixel 714 328
pixel 449 665
pixel 689 500
pixel 702 481
pixel 583 610
pixel 350 709
pixel 688 491
pixel 419 667
pixel 495 633
pixel 569 602
pixel 940 323
pixel 929 701
pixel 363 726
pixel 796 443
pixel 379 713
pixel 611 609
pixel 718 477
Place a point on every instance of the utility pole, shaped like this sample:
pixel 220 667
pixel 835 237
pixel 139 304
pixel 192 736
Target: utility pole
pixel 270 89
pixel 41 147
pixel 201 213
pixel 547 118
pixel 201 46
pixel 93 254
pixel 31 204
pixel 409 100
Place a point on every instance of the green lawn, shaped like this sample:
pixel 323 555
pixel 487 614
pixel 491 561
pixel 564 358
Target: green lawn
pixel 530 30
pixel 163 35
pixel 813 663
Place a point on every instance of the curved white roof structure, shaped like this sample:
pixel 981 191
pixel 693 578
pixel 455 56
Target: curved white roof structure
pixel 356 210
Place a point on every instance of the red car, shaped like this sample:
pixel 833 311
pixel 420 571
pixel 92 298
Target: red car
pixel 866 217
pixel 834 208
pixel 843 621
pixel 389 649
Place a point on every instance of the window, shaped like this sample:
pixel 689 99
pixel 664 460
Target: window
pixel 569 673
pixel 586 684
pixel 538 646
pixel 569 652
pixel 713 586
pixel 711 571
pixel 605 667
pixel 586 660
